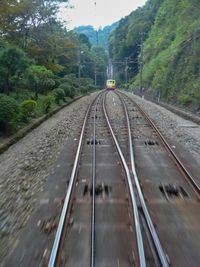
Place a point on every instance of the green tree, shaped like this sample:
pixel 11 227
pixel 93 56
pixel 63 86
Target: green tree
pixel 125 41
pixel 13 64
pixel 39 79
pixel 172 51
pixel 59 95
pixel 8 111
pixel 53 47
pixel 84 39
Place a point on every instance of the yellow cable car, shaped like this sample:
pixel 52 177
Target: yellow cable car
pixel 110 85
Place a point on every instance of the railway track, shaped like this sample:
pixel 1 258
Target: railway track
pixel 158 254
pixel 66 206
pixel 106 220
pixel 168 186
pixel 97 212
pixel 162 259
pixel 187 175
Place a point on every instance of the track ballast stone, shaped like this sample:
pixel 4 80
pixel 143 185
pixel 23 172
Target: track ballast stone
pixel 173 127
pixel 26 164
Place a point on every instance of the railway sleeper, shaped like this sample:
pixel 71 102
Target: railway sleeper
pixel 173 191
pixel 101 190
pixel 91 142
pixel 151 142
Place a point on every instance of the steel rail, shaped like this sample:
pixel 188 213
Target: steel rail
pixel 58 237
pixel 140 245
pixel 156 241
pixel 92 263
pixel 188 176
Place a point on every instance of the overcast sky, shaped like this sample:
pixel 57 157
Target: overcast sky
pixel 105 13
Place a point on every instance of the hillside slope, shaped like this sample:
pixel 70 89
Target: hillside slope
pixel 103 34
pixel 172 52
pixel 171 49
pixel 125 40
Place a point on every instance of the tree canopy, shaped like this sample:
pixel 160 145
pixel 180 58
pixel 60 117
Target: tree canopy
pixel 162 40
pixel 37 53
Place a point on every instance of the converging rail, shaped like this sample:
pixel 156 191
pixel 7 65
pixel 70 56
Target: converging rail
pixel 140 245
pixel 155 238
pixel 62 226
pixel 170 189
pixel 187 175
pixel 99 205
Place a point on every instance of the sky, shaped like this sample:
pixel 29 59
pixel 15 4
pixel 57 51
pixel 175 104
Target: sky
pixel 105 13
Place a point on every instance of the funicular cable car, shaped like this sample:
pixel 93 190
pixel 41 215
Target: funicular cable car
pixel 110 85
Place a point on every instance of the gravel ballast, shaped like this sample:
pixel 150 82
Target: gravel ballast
pixel 26 164
pixel 115 112
pixel 175 128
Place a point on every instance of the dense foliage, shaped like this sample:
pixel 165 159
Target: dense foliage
pixel 13 64
pixel 42 64
pixel 170 31
pixel 172 51
pixel 27 109
pixel 91 33
pixel 125 41
pixel 8 109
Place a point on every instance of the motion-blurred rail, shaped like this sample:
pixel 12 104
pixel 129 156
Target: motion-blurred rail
pixel 96 202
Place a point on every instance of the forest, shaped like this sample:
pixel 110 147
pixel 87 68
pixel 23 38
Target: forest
pixel 155 50
pixel 100 35
pixel 160 42
pixel 42 64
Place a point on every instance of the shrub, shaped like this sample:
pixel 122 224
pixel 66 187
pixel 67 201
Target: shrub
pixel 184 99
pixel 47 103
pixel 28 107
pixel 39 79
pixel 71 80
pixel 22 96
pixel 68 89
pixel 197 98
pixel 83 89
pixel 59 94
pixel 87 85
pixel 8 113
pixel 91 88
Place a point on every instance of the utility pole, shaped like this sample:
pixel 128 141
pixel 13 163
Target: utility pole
pixel 110 69
pixel 126 69
pixel 79 67
pixel 95 76
pixel 141 62
pixel 79 53
pixel 97 43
